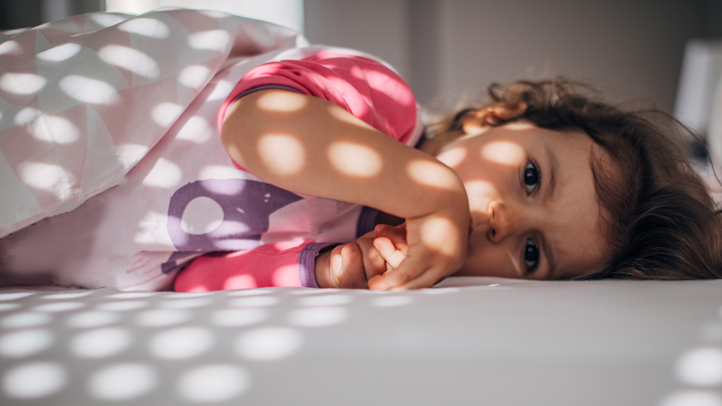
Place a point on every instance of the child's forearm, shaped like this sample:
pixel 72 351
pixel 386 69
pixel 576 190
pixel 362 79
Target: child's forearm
pixel 311 146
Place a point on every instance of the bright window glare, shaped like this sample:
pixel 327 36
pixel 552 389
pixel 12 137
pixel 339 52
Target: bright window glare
pixel 288 13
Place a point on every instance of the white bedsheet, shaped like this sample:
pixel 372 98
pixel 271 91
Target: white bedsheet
pixel 495 342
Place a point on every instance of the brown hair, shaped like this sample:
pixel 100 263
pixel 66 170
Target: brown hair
pixel 663 223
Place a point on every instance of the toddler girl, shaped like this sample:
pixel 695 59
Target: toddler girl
pixel 543 182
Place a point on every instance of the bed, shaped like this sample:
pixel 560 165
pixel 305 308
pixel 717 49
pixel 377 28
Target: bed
pixel 468 340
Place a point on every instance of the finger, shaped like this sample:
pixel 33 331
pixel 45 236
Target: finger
pixel 388 251
pixel 374 264
pixel 411 275
pixel 347 267
pixel 397 235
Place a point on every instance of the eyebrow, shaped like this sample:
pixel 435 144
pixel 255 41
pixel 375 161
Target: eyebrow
pixel 553 168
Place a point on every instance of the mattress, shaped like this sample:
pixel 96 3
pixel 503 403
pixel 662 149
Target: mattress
pixel 466 341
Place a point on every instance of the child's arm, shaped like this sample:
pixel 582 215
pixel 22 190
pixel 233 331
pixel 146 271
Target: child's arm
pixel 311 146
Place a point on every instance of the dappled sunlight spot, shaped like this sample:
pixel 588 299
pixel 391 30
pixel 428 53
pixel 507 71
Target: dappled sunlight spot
pixel 22 83
pixel 131 153
pixel 122 306
pixel 256 301
pixel 106 19
pixel 503 152
pixel 25 115
pixel 317 316
pixel 130 59
pixel 92 319
pixel 213 383
pixel 67 295
pixel 58 307
pixel 8 306
pixel 453 157
pixel 165 174
pixel 56 129
pixel 221 172
pixel 59 53
pixel 35 380
pixel 10 48
pixel 700 367
pixel 27 319
pixel 122 382
pixel 239 317
pixel 431 174
pixel 479 188
pixel 14 295
pixel 269 343
pixel 283 154
pixel 240 282
pixel 354 159
pixel 221 90
pixel 194 76
pixel 25 343
pixel 51 178
pixel 325 300
pixel 282 101
pixel 196 129
pixel 185 303
pixel 132 295
pixel 286 275
pixel 692 398
pixel 433 232
pixel 101 343
pixel 89 90
pixel 147 27
pixel 201 216
pixel 343 115
pixel 391 301
pixel 215 40
pixel 163 318
pixel 181 343
pixel 166 113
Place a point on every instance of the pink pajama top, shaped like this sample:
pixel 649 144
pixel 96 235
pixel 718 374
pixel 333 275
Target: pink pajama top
pixel 271 236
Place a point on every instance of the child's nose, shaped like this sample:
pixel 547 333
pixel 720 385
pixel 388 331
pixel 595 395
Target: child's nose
pixel 501 221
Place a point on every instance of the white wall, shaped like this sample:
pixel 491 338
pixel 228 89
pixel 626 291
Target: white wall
pixel 631 47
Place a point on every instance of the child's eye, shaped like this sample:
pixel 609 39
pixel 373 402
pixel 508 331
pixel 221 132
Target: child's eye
pixel 531 255
pixel 531 177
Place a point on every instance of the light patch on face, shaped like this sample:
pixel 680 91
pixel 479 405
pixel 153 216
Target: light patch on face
pixel 479 188
pixel 354 159
pixel 282 101
pixel 453 157
pixel 427 173
pixel 503 152
pixel 347 117
pixel 283 154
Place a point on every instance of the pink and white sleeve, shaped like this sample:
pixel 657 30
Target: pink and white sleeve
pixel 264 266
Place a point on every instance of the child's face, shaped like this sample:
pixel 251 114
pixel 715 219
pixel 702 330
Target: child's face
pixel 532 200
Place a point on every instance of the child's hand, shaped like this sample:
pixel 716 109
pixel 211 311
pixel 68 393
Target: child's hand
pixel 431 248
pixel 350 266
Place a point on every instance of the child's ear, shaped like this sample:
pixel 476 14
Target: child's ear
pixel 475 122
pixel 481 120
